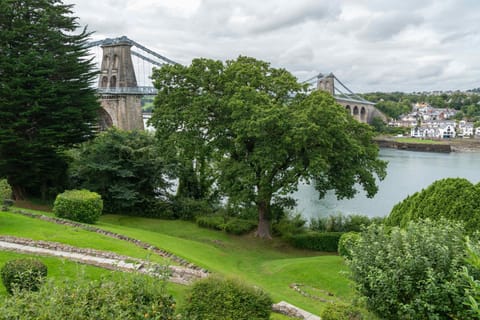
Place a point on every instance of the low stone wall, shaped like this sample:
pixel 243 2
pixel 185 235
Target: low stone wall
pixel 102 259
pixel 114 235
pixel 425 147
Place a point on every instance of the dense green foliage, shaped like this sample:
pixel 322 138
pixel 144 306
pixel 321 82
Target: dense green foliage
pixel 218 299
pixel 134 298
pixel 452 198
pixel 256 132
pixel 46 101
pixel 228 224
pixel 347 241
pixel 341 223
pixel 5 190
pixel 472 278
pixel 341 311
pixel 411 273
pixel 78 205
pixel 125 168
pixel 239 226
pixel 215 222
pixel 23 274
pixel 319 241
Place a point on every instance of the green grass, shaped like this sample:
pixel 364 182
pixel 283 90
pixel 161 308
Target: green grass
pixel 271 265
pixel 16 225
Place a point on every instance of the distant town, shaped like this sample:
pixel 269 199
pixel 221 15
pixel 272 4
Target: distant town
pixel 431 115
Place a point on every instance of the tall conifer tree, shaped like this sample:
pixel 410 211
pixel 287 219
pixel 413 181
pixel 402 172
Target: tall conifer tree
pixel 47 103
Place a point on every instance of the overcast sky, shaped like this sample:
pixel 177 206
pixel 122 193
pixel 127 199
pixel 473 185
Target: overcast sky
pixel 370 45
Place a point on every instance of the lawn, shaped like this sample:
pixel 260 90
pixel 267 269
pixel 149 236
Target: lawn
pixel 272 265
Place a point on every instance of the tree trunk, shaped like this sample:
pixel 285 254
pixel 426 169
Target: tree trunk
pixel 18 192
pixel 263 230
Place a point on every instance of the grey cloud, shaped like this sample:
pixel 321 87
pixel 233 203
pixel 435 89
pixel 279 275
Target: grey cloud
pixel 387 25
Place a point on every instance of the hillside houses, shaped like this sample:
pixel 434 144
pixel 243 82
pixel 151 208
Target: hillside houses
pixel 426 121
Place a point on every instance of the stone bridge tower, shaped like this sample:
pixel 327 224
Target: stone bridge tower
pixel 361 109
pixel 120 97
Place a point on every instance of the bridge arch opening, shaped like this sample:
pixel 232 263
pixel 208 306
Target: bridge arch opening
pixel 355 111
pixel 363 114
pixel 104 120
pixel 349 109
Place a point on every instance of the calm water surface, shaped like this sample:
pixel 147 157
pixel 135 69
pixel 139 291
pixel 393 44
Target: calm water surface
pixel 407 173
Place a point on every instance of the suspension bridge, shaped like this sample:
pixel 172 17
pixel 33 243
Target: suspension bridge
pixel 125 77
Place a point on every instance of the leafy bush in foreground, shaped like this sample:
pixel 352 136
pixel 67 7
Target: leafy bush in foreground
pixel 133 298
pixel 341 311
pixel 23 274
pixel 78 205
pixel 217 299
pixel 346 243
pixel 411 273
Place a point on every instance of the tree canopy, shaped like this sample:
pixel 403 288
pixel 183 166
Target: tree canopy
pixel 125 167
pixel 262 133
pixel 46 103
pixel 452 198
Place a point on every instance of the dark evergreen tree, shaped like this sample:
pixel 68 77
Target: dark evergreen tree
pixel 46 101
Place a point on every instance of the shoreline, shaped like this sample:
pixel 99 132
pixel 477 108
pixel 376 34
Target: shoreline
pixel 440 146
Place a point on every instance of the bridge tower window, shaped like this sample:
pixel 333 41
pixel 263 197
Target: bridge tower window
pixel 107 61
pixel 115 61
pixel 104 82
pixel 113 82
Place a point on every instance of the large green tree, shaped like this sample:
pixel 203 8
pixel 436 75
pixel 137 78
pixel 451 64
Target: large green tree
pixel 46 102
pixel 265 134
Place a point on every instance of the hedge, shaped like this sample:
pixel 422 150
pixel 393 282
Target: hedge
pixel 319 241
pixel 5 190
pixel 23 274
pixel 217 299
pixel 78 205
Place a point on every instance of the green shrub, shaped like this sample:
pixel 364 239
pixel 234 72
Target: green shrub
pixel 78 205
pixel 319 241
pixel 341 311
pixel 239 226
pixel 134 297
pixel 217 299
pixel 5 190
pixel 211 222
pixel 411 273
pixel 289 225
pixel 188 208
pixel 341 223
pixel 346 243
pixel 452 198
pixel 23 274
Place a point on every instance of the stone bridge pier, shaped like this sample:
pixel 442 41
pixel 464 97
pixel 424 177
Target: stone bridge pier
pixel 117 85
